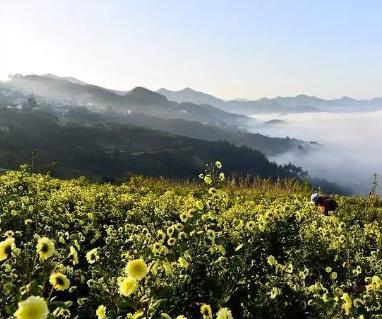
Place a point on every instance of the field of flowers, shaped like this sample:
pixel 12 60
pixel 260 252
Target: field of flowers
pixel 152 248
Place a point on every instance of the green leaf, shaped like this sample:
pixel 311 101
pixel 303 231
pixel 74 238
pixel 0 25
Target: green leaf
pixel 239 247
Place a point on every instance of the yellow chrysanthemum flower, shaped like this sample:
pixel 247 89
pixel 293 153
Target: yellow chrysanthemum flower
pixel 92 256
pixel 101 312
pixel 274 292
pixel 59 281
pixel 127 286
pixel 45 248
pixel 156 248
pixel 375 285
pixel 6 248
pixel 161 235
pixel 208 179
pixel 73 255
pixel 181 317
pixel 165 250
pixel 206 311
pixel 271 260
pixel 9 233
pixel 218 164
pixel 376 282
pixel 211 234
pixel 182 235
pixel 167 268
pixel 199 205
pixel 347 305
pixel 170 230
pixel 184 217
pixel 136 269
pixel 32 308
pixel 212 191
pixel 171 241
pixel 183 262
pixel 224 313
pixel 289 268
pixel 179 227
pixel 251 225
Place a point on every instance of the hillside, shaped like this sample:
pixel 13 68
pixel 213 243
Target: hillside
pixel 139 99
pixel 139 107
pixel 152 248
pixel 270 146
pixel 107 150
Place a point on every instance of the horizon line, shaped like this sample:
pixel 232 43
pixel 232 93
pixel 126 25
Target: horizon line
pixel 195 90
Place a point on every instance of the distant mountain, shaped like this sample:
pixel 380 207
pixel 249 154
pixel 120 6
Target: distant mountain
pixel 64 78
pixel 139 100
pixel 190 95
pixel 241 106
pixel 344 104
pixel 266 105
pixel 297 104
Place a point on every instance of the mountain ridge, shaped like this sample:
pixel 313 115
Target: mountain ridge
pixel 288 104
pixel 138 99
pixel 279 104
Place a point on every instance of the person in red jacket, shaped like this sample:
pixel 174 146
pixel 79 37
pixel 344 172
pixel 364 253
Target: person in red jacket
pixel 324 203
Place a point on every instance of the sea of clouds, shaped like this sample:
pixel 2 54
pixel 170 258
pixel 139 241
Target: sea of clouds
pixel 351 145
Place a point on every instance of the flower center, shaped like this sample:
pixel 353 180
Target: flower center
pixel 59 281
pixel 44 248
pixel 8 250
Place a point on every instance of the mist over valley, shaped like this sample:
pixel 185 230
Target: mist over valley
pixel 348 150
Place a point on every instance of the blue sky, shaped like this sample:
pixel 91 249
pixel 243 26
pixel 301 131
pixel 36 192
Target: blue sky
pixel 231 49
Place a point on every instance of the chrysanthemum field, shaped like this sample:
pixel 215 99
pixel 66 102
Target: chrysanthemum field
pixel 151 248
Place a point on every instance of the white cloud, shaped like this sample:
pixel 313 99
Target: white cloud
pixel 351 150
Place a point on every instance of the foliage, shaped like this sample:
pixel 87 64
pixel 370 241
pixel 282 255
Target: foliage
pixel 151 248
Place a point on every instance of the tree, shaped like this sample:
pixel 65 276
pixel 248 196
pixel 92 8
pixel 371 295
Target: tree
pixel 30 103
